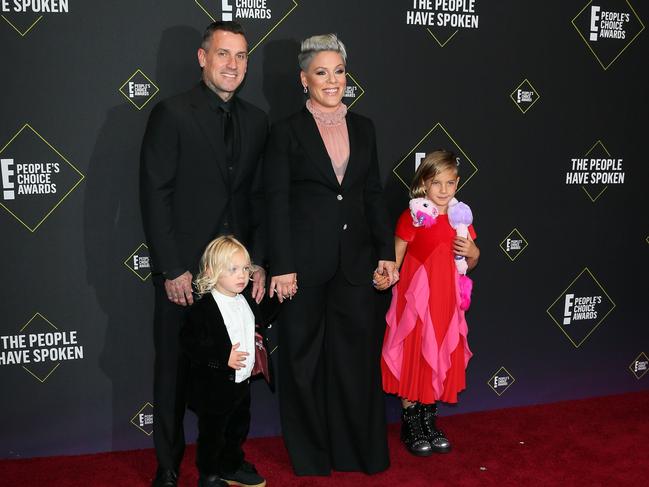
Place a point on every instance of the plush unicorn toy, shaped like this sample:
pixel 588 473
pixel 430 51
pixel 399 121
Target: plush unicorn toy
pixel 424 213
pixel 460 217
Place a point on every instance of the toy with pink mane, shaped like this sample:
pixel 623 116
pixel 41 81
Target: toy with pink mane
pixel 460 217
pixel 423 211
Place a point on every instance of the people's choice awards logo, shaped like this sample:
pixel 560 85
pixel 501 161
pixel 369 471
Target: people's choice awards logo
pixel 513 245
pixel 581 308
pixel 139 262
pixel 639 366
pixel 40 347
pixel 261 17
pixel 143 419
pixel 35 178
pixel 23 15
pixel 524 96
pixel 442 19
pixel 608 27
pixel 436 138
pixel 353 92
pixel 595 171
pixel 501 381
pixel 138 89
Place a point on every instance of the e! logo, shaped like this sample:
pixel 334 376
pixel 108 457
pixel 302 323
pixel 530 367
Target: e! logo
pixel 419 156
pixel 227 10
pixel 594 17
pixel 567 309
pixel 6 166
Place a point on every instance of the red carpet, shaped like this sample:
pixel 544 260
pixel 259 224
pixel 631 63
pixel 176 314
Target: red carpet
pixel 599 441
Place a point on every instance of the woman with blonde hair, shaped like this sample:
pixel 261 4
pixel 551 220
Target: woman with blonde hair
pixel 328 230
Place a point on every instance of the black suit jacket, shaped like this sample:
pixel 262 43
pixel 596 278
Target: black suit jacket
pixel 183 181
pixel 317 225
pixel 205 340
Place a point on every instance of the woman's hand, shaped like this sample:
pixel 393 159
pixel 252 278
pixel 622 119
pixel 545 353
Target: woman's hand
pixel 285 286
pixel 380 281
pixel 388 268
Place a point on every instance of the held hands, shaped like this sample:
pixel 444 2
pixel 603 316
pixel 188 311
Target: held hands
pixel 258 278
pixel 465 247
pixel 237 359
pixel 381 282
pixel 285 286
pixel 179 290
pixel 385 275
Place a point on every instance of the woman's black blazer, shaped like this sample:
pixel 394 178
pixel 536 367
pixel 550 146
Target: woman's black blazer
pixel 315 224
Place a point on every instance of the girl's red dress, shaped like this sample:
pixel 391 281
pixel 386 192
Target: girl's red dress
pixel 425 350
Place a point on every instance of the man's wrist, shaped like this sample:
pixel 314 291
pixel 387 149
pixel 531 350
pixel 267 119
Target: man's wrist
pixel 173 273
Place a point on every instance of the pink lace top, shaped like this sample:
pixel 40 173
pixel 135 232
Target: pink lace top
pixel 333 130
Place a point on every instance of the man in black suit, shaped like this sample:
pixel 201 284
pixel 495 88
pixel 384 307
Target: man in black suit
pixel 200 177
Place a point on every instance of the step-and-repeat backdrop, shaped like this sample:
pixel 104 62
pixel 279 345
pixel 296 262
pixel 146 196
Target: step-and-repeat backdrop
pixel 545 103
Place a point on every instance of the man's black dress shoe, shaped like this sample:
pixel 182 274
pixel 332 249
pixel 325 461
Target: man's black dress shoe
pixel 165 478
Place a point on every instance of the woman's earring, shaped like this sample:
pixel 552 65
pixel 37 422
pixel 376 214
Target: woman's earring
pixel 305 89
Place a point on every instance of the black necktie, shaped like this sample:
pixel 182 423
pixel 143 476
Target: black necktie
pixel 228 134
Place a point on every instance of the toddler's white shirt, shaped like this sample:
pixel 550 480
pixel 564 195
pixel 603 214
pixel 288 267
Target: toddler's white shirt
pixel 240 323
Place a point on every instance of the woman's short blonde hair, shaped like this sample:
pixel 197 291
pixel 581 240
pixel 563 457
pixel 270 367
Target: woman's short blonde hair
pixel 315 44
pixel 433 164
pixel 216 258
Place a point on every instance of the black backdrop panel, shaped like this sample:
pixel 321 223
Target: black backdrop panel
pixel 545 103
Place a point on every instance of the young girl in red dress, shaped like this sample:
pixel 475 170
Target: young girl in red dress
pixel 425 351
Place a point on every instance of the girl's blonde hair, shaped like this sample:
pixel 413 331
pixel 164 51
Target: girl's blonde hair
pixel 217 258
pixel 433 164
